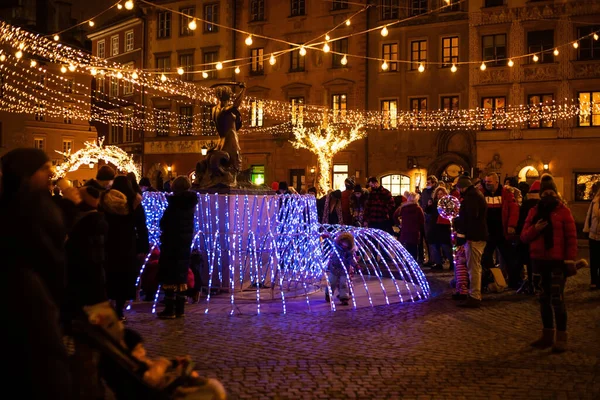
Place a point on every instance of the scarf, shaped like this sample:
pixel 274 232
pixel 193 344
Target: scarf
pixel 545 207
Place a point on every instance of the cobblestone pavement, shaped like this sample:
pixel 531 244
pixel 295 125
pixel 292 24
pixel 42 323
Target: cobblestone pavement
pixel 426 350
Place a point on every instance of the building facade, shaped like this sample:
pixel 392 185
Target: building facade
pixel 560 68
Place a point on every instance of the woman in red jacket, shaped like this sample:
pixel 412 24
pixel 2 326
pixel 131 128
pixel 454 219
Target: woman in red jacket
pixel 550 231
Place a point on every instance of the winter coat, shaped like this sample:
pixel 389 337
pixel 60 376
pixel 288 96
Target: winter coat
pixel 126 238
pixel 592 219
pixel 346 215
pixel 510 209
pixel 337 210
pixel 426 195
pixel 471 222
pixel 527 205
pixel 86 281
pixel 438 228
pixel 341 262
pixel 357 209
pixel 177 233
pixel 413 223
pixel 564 235
pixel 380 205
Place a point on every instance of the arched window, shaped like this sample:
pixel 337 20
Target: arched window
pixel 397 184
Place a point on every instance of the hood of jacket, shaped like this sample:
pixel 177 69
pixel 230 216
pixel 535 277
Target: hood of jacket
pixel 183 200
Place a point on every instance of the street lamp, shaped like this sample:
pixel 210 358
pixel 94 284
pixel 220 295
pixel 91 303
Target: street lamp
pixel 204 150
pixel 312 170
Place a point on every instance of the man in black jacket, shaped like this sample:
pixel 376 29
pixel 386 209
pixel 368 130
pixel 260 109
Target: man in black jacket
pixel 471 228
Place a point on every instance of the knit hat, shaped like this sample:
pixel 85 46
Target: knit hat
pixel 547 183
pixel 180 184
pixel 349 182
pixel 20 164
pixel 535 187
pixel 90 196
pixel 115 202
pixel 463 182
pixel 105 173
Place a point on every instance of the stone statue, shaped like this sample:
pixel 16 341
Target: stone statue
pixel 495 165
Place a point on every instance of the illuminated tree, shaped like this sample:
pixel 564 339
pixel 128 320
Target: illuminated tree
pixel 325 143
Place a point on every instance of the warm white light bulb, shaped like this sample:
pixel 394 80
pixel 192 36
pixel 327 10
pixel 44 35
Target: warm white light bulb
pixel 575 44
pixel 421 68
pixel 384 31
pixel 180 71
pixel 93 71
pixel 483 66
pixel 272 60
pixel 56 38
pixel 19 54
pixel 384 66
pixel 21 46
pixel 219 66
pixel 326 48
pixel 348 22
pixel 91 23
pixel 119 75
pixel 2 57
pixel 595 36
pixel 192 25
pixel 163 77
pixel 237 70
pixel 344 60
pixel 204 74
pixel 129 4
pixel 119 6
pixel 327 38
pixel 33 63
pixel 249 40
pixel 134 75
pixel 302 51
pixel 535 58
pixel 511 63
pixel 453 68
pixel 63 69
pixel 556 52
pixel 72 67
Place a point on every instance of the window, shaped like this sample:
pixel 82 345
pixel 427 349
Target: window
pixel 298 7
pixel 449 51
pixel 68 115
pixel 100 85
pixel 67 146
pixel 390 55
pixel 418 53
pixel 450 103
pixel 114 45
pixel 40 112
pixel 493 108
pixel 297 62
pixel 127 87
pixel 583 186
pixel 205 119
pixel 186 119
pixel 339 105
pixel 297 111
pixel 256 111
pixel 69 85
pixel 340 174
pixel 389 109
pixel 340 4
pixel 494 3
pixel 129 41
pixel 39 143
pixel 162 121
pixel 493 49
pixel 163 64
pixel 257 174
pixel 184 21
pixel 451 5
pixel 418 7
pixel 396 184
pixel 418 106
pixel 114 134
pixel 339 46
pixel 389 9
pixel 589 108
pixel 164 24
pixel 540 110
pixel 186 61
pixel 256 65
pixel 257 10
pixel 210 58
pixel 41 83
pixel 101 49
pixel 540 42
pixel 589 49
pixel 211 14
pixel 114 87
pixel 128 125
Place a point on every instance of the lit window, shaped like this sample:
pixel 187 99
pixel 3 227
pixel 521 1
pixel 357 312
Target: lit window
pixel 589 109
pixel 186 119
pixel 297 111
pixel 584 182
pixel 339 103
pixel 449 51
pixel 494 109
pixel 389 110
pixel 39 143
pixel 540 107
pixel 418 53
pixel 256 107
pixel 450 103
pixel 257 174
pixel 161 121
pixel 340 174
pixel 67 146
pixel 114 45
pixel 40 112
pixel 257 61
pixel 390 55
pixel 68 117
pixel 396 184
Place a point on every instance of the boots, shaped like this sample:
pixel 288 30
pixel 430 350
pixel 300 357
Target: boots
pixel 169 311
pixel 179 305
pixel 560 346
pixel 545 341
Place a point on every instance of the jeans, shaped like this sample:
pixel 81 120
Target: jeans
pixel 595 262
pixel 474 252
pixel 508 255
pixel 549 278
pixel 340 283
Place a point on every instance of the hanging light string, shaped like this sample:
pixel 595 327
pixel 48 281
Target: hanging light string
pixel 89 21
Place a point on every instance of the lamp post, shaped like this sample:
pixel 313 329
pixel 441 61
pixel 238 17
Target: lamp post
pixel 204 150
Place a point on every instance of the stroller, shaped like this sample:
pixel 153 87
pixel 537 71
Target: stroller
pixel 124 374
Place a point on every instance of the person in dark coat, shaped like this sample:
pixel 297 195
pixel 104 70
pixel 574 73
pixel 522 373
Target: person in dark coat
pixel 532 199
pixel 126 241
pixel 412 225
pixel 146 185
pixel 438 231
pixel 177 233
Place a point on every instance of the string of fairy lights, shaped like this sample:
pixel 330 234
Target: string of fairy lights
pixel 17 95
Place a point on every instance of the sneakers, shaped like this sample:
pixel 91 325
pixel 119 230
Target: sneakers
pixel 470 302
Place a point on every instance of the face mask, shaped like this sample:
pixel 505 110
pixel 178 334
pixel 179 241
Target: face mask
pixel 428 187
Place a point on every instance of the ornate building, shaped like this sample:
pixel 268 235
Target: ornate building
pixel 560 68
